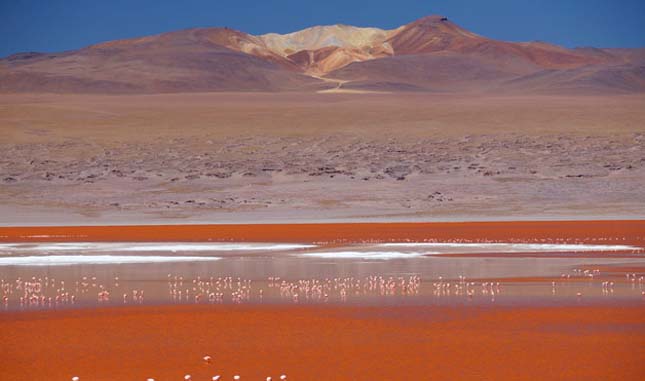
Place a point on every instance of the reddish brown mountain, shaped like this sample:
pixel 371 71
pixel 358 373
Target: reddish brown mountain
pixel 214 59
pixel 434 34
pixel 430 54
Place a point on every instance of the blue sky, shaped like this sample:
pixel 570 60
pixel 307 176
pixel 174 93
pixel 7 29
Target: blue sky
pixel 57 25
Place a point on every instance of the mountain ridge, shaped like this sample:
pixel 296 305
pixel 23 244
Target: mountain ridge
pixel 438 55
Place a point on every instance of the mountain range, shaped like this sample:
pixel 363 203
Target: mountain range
pixel 431 54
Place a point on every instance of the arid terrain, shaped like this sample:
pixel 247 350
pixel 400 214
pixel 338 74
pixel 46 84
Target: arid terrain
pixel 218 157
pixel 424 121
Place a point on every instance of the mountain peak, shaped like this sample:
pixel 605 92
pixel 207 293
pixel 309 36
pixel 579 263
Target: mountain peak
pixel 431 19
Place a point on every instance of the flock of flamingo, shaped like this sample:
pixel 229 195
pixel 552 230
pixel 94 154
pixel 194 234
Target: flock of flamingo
pixel 39 291
pixel 208 360
pixel 46 293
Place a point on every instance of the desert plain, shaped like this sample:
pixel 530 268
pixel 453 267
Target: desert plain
pixel 245 157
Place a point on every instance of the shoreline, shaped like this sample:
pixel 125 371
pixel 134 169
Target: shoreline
pixel 54 219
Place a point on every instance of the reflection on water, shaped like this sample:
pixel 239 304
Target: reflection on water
pixel 68 260
pixel 117 274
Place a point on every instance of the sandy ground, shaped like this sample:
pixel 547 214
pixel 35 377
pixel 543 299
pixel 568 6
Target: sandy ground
pixel 297 157
pixel 326 343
